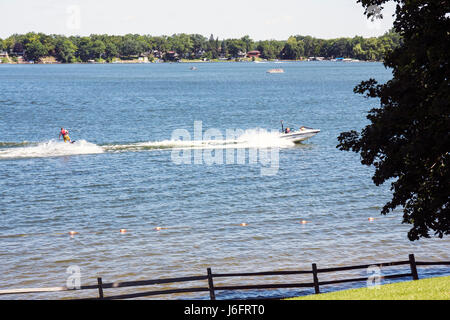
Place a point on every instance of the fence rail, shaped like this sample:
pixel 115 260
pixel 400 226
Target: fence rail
pixel 212 289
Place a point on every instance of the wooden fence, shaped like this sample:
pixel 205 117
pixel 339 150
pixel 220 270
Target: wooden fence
pixel 212 289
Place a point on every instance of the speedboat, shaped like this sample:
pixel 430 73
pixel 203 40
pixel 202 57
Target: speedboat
pixel 300 135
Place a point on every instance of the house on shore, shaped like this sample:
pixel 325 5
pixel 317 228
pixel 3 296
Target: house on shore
pixel 171 56
pixel 316 58
pixel 253 54
pixel 199 53
pixel 240 55
pixel 157 54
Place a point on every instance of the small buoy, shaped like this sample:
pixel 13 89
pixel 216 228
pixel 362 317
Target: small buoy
pixel 371 219
pixel 72 233
pixel 303 222
pixel 123 230
pixel 243 224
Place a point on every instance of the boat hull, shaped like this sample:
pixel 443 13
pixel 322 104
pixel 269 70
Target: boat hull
pixel 299 136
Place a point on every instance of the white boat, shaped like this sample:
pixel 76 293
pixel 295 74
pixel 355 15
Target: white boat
pixel 275 71
pixel 300 135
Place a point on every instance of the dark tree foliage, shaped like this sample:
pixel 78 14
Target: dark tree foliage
pixel 408 137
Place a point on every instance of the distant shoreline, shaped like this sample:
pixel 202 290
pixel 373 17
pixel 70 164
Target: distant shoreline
pixel 191 48
pixel 185 61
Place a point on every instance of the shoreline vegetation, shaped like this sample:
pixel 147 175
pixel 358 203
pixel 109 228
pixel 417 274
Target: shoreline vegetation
pixel 436 288
pixel 41 48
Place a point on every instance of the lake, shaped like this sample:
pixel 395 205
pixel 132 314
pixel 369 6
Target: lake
pixel 155 154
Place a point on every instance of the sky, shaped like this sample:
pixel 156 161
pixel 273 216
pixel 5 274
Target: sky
pixel 261 20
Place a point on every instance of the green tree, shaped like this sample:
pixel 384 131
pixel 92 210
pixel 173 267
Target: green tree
pixel 97 49
pixel 65 50
pixel 358 52
pixel 35 50
pixel 293 49
pixel 212 48
pixel 8 44
pixel 198 45
pixel 224 48
pixel 111 50
pixel 407 140
pixel 235 46
pixel 129 47
pixel 266 50
pixel 372 49
pixel 48 41
pixel 308 45
pixel 182 44
pixel 161 44
pixel 270 49
pixel 84 45
pixel 248 43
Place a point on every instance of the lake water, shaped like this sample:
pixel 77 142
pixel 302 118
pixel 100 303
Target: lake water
pixel 183 200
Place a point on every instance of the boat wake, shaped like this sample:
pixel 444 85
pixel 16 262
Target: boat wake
pixel 52 148
pixel 251 138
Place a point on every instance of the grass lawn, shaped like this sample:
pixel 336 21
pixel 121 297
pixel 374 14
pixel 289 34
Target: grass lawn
pixel 426 289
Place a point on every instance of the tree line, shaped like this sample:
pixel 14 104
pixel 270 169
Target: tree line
pixel 71 49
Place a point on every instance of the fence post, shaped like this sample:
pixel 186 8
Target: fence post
pixel 100 287
pixel 315 278
pixel 212 294
pixel 412 263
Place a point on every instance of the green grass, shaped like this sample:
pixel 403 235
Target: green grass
pixel 426 289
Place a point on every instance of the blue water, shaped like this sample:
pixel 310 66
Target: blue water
pixel 122 173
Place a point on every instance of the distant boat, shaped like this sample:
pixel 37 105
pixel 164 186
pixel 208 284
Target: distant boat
pixel 193 68
pixel 275 71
